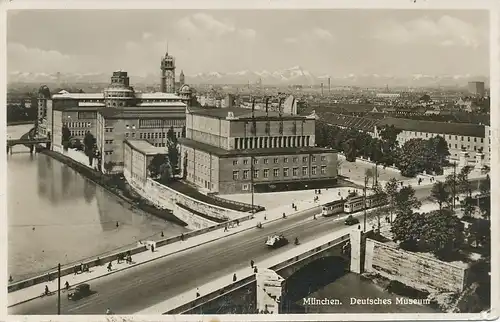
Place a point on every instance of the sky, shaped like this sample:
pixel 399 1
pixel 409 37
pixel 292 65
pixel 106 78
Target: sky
pixel 324 42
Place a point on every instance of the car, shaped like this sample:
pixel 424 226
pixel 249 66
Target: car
pixel 79 292
pixel 276 241
pixel 351 221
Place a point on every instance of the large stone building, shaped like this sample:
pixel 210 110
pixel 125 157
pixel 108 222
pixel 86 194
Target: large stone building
pixel 116 114
pixel 223 146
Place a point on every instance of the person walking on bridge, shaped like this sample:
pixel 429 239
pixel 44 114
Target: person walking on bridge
pixel 234 277
pixel 252 263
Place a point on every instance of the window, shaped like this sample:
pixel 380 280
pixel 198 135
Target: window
pixel 475 140
pixel 276 173
pixel 255 161
pixel 323 158
pixel 255 174
pixel 468 139
pixel 285 160
pixel 481 140
pixel 245 174
pixel 456 137
pixel 245 161
pixel 245 187
pixel 323 169
pixel 295 159
pixel 313 170
pixel 275 160
pixel 313 158
pixel 285 172
pixel 295 171
pixel 304 159
pixel 266 173
pixel 266 161
pixel 304 171
pixel 461 138
pixel 235 162
pixel 235 175
pixel 456 146
pixel 133 134
pixel 126 135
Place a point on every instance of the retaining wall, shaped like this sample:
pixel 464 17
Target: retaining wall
pixel 415 270
pixel 166 198
pixel 194 221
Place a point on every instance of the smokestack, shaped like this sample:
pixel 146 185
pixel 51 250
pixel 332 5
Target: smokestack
pixel 321 89
pixel 329 85
pixel 253 107
pixel 267 106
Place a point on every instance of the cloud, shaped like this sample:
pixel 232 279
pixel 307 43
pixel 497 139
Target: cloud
pixel 313 35
pixel 205 25
pixel 445 31
pixel 24 58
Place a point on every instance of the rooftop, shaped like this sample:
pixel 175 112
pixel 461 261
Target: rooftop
pixel 80 96
pixel 142 112
pixel 157 95
pixel 251 152
pixel 465 129
pixel 240 113
pixel 358 123
pixel 146 147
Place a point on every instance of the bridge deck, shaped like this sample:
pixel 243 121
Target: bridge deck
pixel 212 286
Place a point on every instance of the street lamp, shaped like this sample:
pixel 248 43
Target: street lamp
pixel 364 204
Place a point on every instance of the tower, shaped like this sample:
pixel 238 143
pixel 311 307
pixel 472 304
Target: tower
pixel 167 74
pixel 181 79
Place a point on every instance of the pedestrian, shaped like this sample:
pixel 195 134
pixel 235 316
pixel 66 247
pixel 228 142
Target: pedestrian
pixel 314 216
pixel 293 205
pixel 117 224
pixel 284 216
pixel 162 234
pixel 225 228
pixel 339 193
pixel 152 248
pixel 10 279
pixel 359 227
pixel 110 267
pixel 265 217
pixel 98 261
pixel 182 236
pixel 46 290
pixel 66 285
pixel 234 277
pixel 197 292
pixel 252 263
pixel 319 191
pixel 75 270
pixel 237 222
pixel 118 258
pixel 255 270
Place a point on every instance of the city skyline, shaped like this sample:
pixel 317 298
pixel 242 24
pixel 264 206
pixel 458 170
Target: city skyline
pixel 396 43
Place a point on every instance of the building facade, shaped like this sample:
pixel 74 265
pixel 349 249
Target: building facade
pixel 167 74
pixel 225 150
pixel 137 155
pixel 476 88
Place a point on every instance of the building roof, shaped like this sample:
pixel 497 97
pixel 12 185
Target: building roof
pixel 157 95
pixel 89 104
pixel 465 129
pixel 358 123
pixel 79 96
pixel 250 152
pixel 240 113
pixel 145 147
pixel 142 112
pixel 177 104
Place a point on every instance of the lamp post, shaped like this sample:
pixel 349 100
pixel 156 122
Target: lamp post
pixel 58 289
pixel 454 184
pixel 364 204
pixel 252 183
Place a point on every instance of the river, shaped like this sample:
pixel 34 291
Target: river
pixel 57 216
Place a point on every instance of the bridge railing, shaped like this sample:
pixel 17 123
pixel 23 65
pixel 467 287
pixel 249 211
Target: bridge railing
pixel 250 279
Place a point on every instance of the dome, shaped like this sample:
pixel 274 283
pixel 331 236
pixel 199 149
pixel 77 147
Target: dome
pixel 44 91
pixel 185 89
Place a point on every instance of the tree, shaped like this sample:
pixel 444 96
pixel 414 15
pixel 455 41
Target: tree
pixel 376 155
pixel 485 185
pixel 155 166
pixel 442 233
pixel 173 149
pixel 406 200
pixel 436 154
pixel 350 150
pixel 485 207
pixel 464 185
pixel 407 229
pixel 66 136
pixel 468 206
pixel 411 160
pixel 440 194
pixel 479 233
pixel 391 189
pixel 382 196
pixel 89 143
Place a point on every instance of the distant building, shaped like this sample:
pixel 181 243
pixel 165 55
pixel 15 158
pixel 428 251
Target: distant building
pixel 388 95
pixel 220 145
pixel 476 88
pixel 137 155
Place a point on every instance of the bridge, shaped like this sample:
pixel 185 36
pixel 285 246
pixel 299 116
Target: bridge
pixel 333 249
pixel 29 142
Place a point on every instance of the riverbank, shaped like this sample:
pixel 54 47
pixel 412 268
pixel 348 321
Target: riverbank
pixel 11 123
pixel 116 186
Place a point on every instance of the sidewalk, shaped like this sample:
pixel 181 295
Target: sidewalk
pixel 224 281
pixel 264 217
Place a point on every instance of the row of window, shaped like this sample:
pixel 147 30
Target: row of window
pixel 449 136
pixel 276 172
pixel 77 124
pixel 285 160
pixel 78 133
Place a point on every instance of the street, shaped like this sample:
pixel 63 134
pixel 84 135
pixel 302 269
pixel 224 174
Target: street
pixel 134 289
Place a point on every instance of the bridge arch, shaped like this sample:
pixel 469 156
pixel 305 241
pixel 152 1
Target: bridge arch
pixel 312 277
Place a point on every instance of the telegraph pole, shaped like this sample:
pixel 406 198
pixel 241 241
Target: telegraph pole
pixel 58 289
pixel 454 183
pixel 251 178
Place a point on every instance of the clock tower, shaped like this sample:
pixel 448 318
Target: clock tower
pixel 167 74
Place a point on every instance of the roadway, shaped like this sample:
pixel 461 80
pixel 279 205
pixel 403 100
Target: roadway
pixel 134 289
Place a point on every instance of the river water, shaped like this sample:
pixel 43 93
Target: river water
pixel 57 216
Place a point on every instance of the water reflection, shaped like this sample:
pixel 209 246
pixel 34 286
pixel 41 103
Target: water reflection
pixel 55 215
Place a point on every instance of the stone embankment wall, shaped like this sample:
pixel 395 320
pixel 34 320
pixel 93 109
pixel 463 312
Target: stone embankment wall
pixel 192 220
pixel 167 198
pixel 415 270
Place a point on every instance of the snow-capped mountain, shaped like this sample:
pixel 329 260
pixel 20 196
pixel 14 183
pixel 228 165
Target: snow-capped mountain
pixel 291 76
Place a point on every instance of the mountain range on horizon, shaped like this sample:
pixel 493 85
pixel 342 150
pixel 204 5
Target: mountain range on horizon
pixel 291 76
